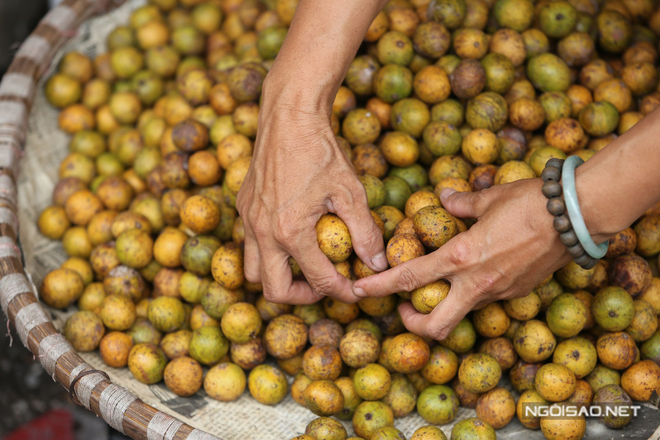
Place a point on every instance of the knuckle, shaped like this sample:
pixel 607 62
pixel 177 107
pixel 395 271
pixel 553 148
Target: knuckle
pixel 438 330
pixel 269 295
pixel 324 285
pixel 258 229
pixel 480 199
pixel 461 254
pixel 487 283
pixel 372 239
pixel 285 229
pixel 406 279
pixel 344 201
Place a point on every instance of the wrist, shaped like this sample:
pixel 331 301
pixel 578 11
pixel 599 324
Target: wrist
pixel 283 88
pixel 603 222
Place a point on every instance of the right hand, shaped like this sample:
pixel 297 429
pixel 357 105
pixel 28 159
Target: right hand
pixel 298 173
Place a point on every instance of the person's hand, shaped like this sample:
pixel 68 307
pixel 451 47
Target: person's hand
pixel 298 173
pixel 510 249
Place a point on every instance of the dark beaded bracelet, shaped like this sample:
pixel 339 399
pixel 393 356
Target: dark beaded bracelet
pixel 552 190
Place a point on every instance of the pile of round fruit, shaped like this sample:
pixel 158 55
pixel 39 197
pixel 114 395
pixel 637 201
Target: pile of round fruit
pixel 463 94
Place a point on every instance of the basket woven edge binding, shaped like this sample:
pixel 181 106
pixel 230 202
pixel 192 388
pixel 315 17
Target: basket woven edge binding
pixel 87 387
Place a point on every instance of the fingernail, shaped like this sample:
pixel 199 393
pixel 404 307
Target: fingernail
pixel 447 192
pixel 359 292
pixel 380 261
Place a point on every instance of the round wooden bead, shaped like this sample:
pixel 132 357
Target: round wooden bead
pixel 576 250
pixel 586 262
pixel 562 224
pixel 550 173
pixel 556 206
pixel 551 189
pixel 568 238
pixel 555 163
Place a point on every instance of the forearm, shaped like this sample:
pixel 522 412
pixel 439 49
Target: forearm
pixel 619 183
pixel 320 45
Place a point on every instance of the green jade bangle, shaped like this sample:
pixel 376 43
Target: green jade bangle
pixel 575 214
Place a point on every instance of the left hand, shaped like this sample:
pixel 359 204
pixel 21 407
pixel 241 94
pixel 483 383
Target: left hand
pixel 505 254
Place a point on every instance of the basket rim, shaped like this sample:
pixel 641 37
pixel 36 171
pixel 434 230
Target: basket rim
pixel 87 386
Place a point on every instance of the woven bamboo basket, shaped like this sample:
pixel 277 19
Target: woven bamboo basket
pixel 134 409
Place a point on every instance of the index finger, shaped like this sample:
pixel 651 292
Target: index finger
pixel 408 276
pixel 442 320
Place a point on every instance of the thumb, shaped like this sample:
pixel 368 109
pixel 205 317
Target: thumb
pixel 462 204
pixel 365 234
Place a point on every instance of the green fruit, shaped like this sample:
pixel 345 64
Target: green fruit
pixel 462 338
pixel 450 111
pixel 166 313
pixel 487 110
pixel 610 397
pixel 360 74
pixel 146 160
pixel 541 155
pixel 599 118
pixel 473 429
pixel 62 90
pixel 442 138
pixel 514 14
pixel 326 428
pixel 351 399
pixel 431 40
pixel 415 176
pixel 270 41
pixel 126 62
pixel 375 190
pixel 371 416
pixel 397 192
pixel 387 433
pixel 143 332
pixel 197 253
pixel 499 72
pixel 429 432
pixel 372 382
pixel 602 376
pixel 549 73
pixel 557 19
pixel 556 105
pixel 121 36
pixel 193 287
pixel 393 82
pixel 650 349
pixel 410 116
pixel 162 60
pixel 148 87
pixel 614 30
pixel 188 40
pixel 245 81
pixel 451 13
pixel 134 248
pixel 613 308
pixel 577 354
pixel 208 345
pixel 438 404
pixel 402 396
pixel 88 142
pixel 479 372
pixel 395 48
pixel 566 315
pixel 268 385
pixel 147 363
